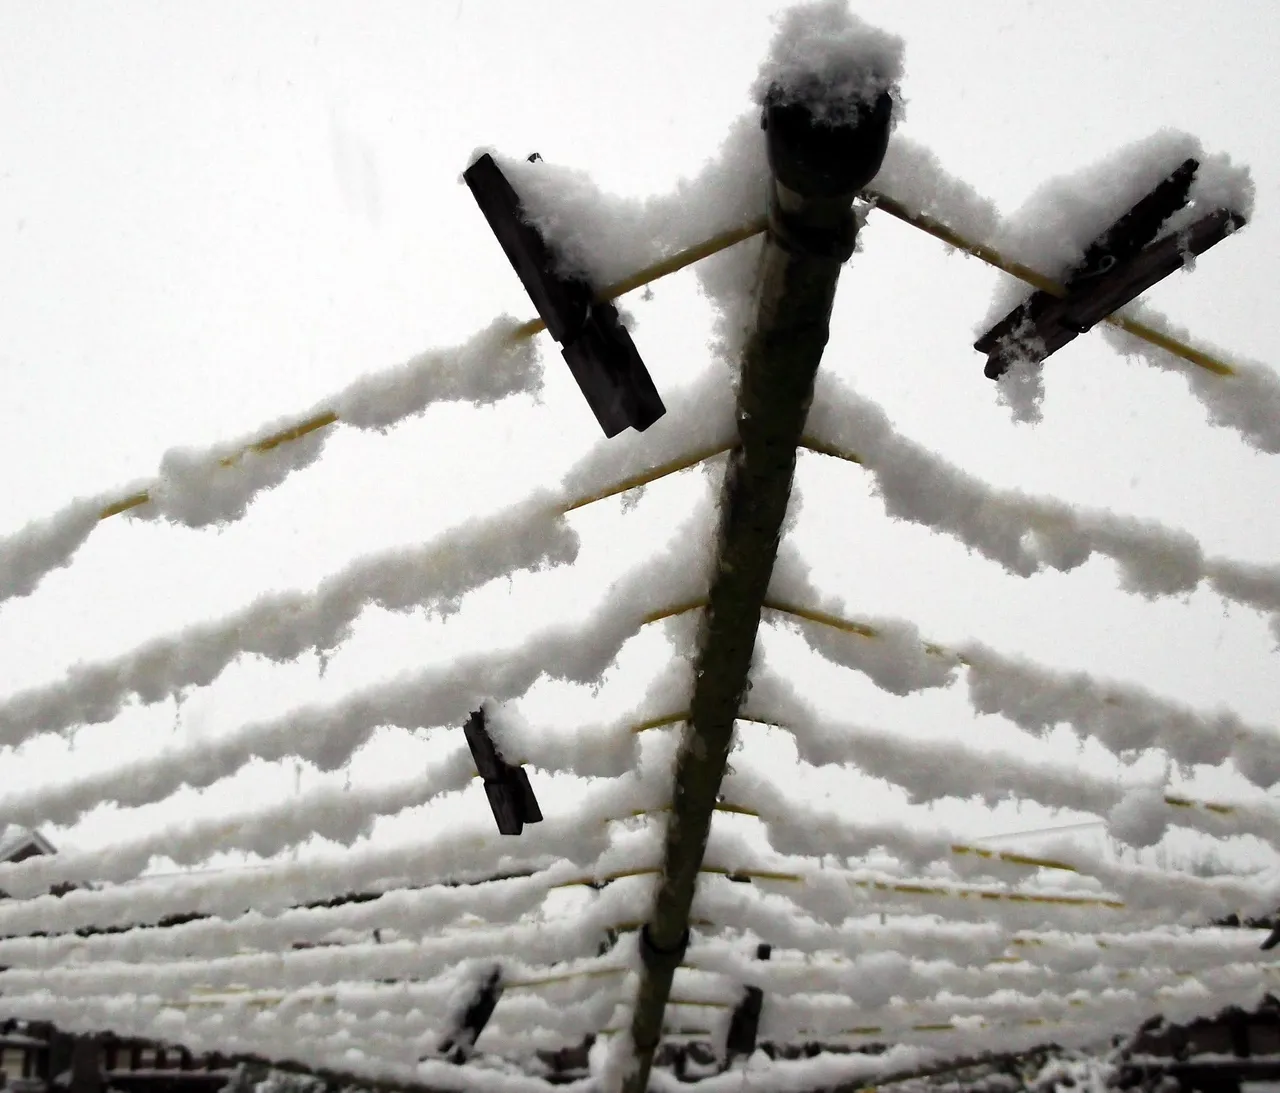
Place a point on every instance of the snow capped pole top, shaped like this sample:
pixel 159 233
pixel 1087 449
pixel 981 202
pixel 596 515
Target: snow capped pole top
pixel 826 94
pixel 826 58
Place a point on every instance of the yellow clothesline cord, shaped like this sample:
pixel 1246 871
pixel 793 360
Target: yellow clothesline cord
pixel 322 420
pixel 866 630
pixel 1039 281
pixel 695 253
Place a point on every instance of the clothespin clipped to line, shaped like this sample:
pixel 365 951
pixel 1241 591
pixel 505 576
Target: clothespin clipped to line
pixel 744 1025
pixel 594 343
pixel 458 1046
pixel 506 785
pixel 1118 267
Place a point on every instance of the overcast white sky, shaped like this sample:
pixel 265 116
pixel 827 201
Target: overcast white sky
pixel 215 214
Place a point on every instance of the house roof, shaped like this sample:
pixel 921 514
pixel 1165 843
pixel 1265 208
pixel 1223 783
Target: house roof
pixel 14 840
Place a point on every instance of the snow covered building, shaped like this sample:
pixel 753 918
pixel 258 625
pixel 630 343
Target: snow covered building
pixel 20 843
pixel 35 1053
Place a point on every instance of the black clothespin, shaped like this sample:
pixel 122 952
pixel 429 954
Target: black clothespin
pixel 1119 265
pixel 507 786
pixel 594 343
pixel 745 1022
pixel 458 1045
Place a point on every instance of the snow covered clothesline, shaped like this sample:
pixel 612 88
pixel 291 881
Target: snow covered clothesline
pixel 343 815
pixel 1124 718
pixel 865 891
pixel 529 535
pixel 412 911
pixel 879 992
pixel 933 770
pixel 965 1016
pixel 200 487
pixel 1247 401
pixel 469 853
pixel 620 244
pixel 977 1023
pixel 797 920
pixel 798 990
pixel 869 996
pixel 346 589
pixel 878 977
pixel 283 626
pixel 1023 533
pixel 259 1035
pixel 536 943
pixel 797 827
pixel 327 736
pixel 1017 1025
pixel 419 912
pixel 608 239
pixel 148 1018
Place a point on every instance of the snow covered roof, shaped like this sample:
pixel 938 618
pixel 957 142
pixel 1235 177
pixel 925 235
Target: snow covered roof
pixel 16 843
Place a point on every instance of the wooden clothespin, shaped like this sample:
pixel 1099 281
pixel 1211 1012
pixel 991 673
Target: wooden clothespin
pixel 745 1022
pixel 507 785
pixel 1118 266
pixel 594 343
pixel 459 1044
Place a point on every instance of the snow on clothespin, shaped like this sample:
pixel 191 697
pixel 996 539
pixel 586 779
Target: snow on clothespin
pixel 745 1022
pixel 507 786
pixel 1118 266
pixel 594 343
pixel 458 1045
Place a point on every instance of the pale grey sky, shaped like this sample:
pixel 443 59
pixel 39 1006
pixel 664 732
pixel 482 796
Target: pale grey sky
pixel 213 215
